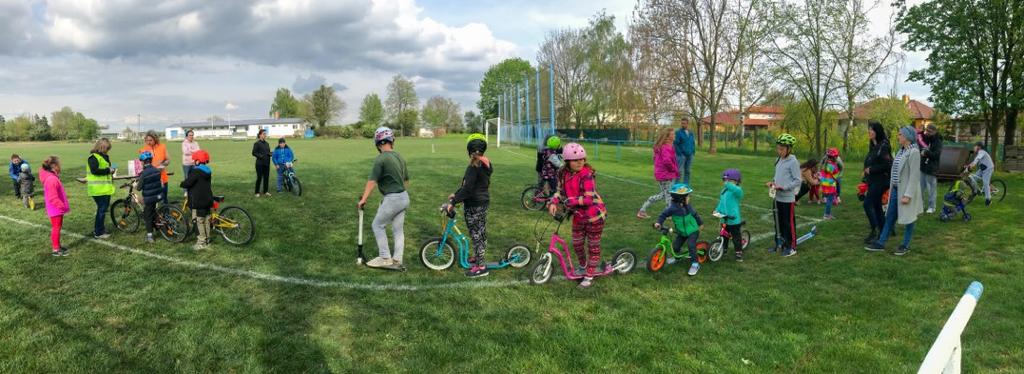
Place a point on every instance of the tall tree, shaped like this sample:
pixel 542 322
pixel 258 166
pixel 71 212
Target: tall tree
pixel 371 112
pixel 408 122
pixel 401 96
pixel 65 124
pixel 566 51
pixel 285 105
pixel 891 112
pixel 860 57
pixel 322 106
pixel 497 80
pixel 752 80
pixel 474 123
pixel 608 69
pixel 40 130
pixel 442 113
pixel 975 57
pixel 801 56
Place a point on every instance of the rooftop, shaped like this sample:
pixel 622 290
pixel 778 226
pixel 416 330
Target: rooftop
pixel 242 122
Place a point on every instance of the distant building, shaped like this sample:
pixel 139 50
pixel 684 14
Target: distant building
pixel 236 129
pixel 920 113
pixel 757 117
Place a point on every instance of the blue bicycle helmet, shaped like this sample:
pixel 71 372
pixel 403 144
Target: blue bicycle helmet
pixel 145 156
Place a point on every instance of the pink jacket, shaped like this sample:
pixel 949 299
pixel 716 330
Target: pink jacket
pixel 579 192
pixel 665 165
pixel 187 148
pixel 53 192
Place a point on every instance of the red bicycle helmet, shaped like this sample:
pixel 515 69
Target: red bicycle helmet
pixel 201 156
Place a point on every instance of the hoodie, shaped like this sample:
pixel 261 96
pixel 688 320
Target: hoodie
pixel 579 192
pixel 666 167
pixel 787 177
pixel 476 183
pixel 53 192
pixel 199 187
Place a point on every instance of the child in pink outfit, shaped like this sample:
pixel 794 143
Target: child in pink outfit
pixel 56 201
pixel 578 191
pixel 666 170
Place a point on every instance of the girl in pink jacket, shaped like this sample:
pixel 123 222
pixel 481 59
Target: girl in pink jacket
pixel 578 191
pixel 56 201
pixel 666 170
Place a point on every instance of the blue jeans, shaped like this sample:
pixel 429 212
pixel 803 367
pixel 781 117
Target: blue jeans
pixel 102 203
pixel 280 177
pixel 185 170
pixel 890 221
pixel 684 167
pixel 829 199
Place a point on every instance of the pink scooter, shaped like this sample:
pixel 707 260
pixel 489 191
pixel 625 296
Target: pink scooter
pixel 622 262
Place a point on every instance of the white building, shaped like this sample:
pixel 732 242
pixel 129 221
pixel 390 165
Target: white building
pixel 276 128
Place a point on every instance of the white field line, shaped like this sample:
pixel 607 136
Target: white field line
pixel 273 277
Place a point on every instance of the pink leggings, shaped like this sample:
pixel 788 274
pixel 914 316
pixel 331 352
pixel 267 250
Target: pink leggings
pixel 588 253
pixel 56 223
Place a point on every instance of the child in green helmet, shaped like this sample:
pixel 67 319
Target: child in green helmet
pixel 687 223
pixel 549 160
pixel 784 187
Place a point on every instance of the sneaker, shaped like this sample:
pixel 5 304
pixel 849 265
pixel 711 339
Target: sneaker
pixel 396 262
pixel 580 271
pixel 930 211
pixel 788 252
pixel 839 200
pixel 101 236
pixel 901 251
pixel 379 262
pixel 586 282
pixel 988 202
pixel 267 194
pixel 773 249
pixel 64 252
pixel 149 238
pixel 56 253
pixel 739 256
pixel 642 214
pixel 199 246
pixel 477 271
pixel 875 247
pixel 257 195
pixel 694 268
pixel 670 260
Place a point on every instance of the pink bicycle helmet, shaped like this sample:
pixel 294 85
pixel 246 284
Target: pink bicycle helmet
pixel 832 152
pixel 573 151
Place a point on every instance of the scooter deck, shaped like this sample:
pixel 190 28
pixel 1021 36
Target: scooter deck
pixel 389 268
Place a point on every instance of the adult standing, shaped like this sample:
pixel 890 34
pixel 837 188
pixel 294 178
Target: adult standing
pixel 100 184
pixel 13 170
pixel 391 177
pixel 188 147
pixel 877 165
pixel 261 151
pixel 905 201
pixel 931 149
pixel 160 160
pixel 685 149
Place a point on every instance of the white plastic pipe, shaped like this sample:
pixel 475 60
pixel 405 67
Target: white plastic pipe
pixel 944 356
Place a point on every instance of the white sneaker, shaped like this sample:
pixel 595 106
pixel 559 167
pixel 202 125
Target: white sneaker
pixel 379 262
pixel 930 210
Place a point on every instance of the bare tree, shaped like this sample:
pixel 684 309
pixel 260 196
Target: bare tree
pixel 565 50
pixel 752 80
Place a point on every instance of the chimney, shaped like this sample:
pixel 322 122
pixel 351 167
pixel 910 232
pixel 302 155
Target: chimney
pixel 906 99
pixel 277 114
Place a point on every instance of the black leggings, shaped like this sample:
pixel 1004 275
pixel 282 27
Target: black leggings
pixel 873 204
pixel 262 176
pixel 737 238
pixel 785 218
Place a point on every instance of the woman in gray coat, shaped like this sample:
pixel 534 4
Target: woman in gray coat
pixel 905 200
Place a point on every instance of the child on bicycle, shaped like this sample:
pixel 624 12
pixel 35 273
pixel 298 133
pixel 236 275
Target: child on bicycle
pixel 983 162
pixel 152 191
pixel 729 200
pixel 687 222
pixel 473 192
pixel 666 170
pixel 26 184
pixel 549 160
pixel 56 201
pixel 577 188
pixel 829 175
pixel 281 157
pixel 200 196
pixel 784 187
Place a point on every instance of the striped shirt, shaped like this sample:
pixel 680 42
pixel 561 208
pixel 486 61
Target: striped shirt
pixel 897 162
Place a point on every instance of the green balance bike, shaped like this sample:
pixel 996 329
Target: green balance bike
pixel 664 253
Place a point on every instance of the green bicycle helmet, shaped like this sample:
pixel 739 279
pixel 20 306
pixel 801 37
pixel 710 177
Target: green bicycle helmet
pixel 476 136
pixel 786 140
pixel 476 143
pixel 554 142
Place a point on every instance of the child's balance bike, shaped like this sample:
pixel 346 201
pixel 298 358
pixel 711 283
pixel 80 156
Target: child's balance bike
pixel 622 262
pixel 437 253
pixel 716 250
pixel 664 253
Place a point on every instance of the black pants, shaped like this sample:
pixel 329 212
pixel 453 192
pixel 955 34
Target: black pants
pixel 691 244
pixel 785 218
pixel 873 204
pixel 737 238
pixel 17 189
pixel 804 189
pixel 149 214
pixel 262 176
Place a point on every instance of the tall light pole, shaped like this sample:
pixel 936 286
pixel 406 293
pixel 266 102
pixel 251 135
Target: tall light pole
pixel 139 123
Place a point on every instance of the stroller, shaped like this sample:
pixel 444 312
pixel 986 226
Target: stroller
pixel 954 201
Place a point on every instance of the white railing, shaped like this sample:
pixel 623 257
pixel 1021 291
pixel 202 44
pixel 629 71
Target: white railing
pixel 944 356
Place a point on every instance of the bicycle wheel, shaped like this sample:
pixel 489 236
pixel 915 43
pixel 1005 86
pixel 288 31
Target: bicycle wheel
pixel 434 259
pixel 296 186
pixel 542 270
pixel 124 216
pixel 998 188
pixel 235 225
pixel 518 256
pixel 746 238
pixel 656 260
pixel 173 226
pixel 715 251
pixel 530 199
pixel 623 261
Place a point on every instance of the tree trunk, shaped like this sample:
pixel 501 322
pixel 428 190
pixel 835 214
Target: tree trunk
pixel 1010 129
pixel 711 134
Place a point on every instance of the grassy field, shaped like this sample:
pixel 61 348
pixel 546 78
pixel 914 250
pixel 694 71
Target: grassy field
pixel 294 300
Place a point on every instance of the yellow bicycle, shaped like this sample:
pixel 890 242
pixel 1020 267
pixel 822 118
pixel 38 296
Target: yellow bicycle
pixel 233 223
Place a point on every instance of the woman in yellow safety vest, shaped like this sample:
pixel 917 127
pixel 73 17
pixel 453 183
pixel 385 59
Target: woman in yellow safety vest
pixel 100 183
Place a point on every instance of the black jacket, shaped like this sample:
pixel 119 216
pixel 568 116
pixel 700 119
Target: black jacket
pixel 879 163
pixel 475 186
pixel 150 184
pixel 261 150
pixel 200 191
pixel 930 155
pixel 94 166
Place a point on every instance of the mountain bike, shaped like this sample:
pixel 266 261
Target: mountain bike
pixel 973 181
pixel 233 223
pixel 126 215
pixel 291 182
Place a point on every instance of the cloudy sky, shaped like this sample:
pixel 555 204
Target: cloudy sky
pixel 185 60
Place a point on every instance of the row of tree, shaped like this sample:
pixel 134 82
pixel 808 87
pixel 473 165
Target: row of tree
pixel 65 124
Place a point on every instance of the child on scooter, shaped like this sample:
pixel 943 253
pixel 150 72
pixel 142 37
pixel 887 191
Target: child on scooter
pixel 784 187
pixel 729 206
pixel 578 190
pixel 474 193
pixel 686 220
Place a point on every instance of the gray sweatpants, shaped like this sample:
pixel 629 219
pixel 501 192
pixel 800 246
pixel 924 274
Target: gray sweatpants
pixel 663 195
pixel 928 189
pixel 391 210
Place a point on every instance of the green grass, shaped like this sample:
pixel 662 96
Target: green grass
pixel 832 308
